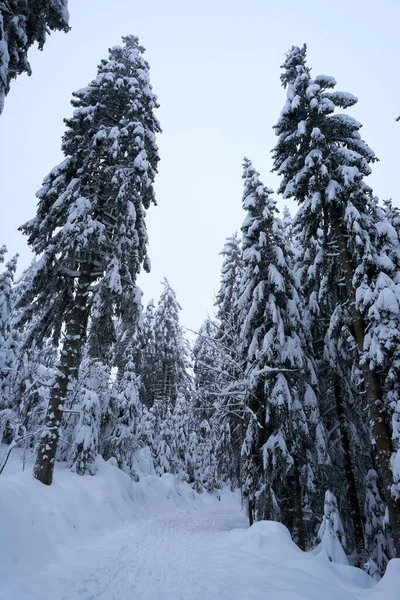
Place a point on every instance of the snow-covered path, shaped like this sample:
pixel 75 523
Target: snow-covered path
pixel 194 553
pixel 166 557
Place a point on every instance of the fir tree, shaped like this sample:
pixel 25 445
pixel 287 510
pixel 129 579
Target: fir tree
pixel 182 419
pixel 228 418
pixel 84 445
pixel 287 224
pixel 147 355
pixel 206 366
pixel 24 23
pixel 171 356
pixel 227 297
pixel 202 467
pixel 165 450
pixel 331 533
pixel 341 387
pixel 124 430
pixel 323 162
pixel 8 343
pixel 281 407
pixel 378 543
pixel 90 224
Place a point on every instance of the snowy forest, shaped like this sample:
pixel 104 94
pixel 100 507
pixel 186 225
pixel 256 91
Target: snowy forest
pixel 289 392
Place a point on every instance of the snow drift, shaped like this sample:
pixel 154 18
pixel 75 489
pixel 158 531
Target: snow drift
pixel 109 538
pixel 38 522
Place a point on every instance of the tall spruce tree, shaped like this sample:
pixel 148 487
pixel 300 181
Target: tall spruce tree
pixel 323 162
pixel 24 23
pixel 123 430
pixel 206 354
pixel 146 356
pixel 90 224
pixel 378 542
pixel 228 417
pixel 171 356
pixel 284 449
pixel 8 342
pixel 342 389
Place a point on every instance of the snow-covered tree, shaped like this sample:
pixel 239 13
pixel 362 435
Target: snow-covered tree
pixel 182 418
pixel 287 225
pixel 165 449
pixel 8 358
pixel 24 23
pixel 201 458
pixel 331 533
pixel 124 428
pixel 128 333
pixel 84 444
pixel 323 163
pixel 283 421
pixel 34 379
pixel 171 356
pixel 378 543
pixel 206 354
pixel 217 367
pixel 90 229
pixel 227 297
pixel 342 387
pixel 147 355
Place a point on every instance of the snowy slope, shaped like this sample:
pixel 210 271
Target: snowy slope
pixel 107 538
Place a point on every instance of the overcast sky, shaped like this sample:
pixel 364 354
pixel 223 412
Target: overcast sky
pixel 215 68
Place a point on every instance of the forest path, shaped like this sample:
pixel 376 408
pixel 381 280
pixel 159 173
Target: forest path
pixel 192 553
pixel 169 557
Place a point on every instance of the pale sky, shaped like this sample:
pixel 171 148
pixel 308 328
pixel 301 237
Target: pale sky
pixel 215 68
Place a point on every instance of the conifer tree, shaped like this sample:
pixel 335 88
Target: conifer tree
pixel 287 224
pixel 323 162
pixel 128 333
pixel 228 417
pixel 202 461
pixel 84 444
pixel 341 387
pixel 227 297
pixel 124 430
pixel 24 23
pixel 331 533
pixel 378 543
pixel 182 420
pixel 171 356
pixel 206 354
pixel 282 412
pixel 8 343
pixel 90 224
pixel 147 355
pixel 165 450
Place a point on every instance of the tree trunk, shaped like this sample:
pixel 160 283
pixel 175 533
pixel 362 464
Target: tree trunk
pixel 250 509
pixel 355 511
pixel 298 516
pixel 381 430
pixel 68 366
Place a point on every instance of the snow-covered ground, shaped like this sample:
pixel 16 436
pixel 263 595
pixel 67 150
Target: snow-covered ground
pixel 108 538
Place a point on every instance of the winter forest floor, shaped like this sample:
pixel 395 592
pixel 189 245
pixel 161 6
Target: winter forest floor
pixel 107 538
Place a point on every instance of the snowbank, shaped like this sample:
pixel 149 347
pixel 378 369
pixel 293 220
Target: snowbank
pixel 107 537
pixel 37 523
pixel 274 563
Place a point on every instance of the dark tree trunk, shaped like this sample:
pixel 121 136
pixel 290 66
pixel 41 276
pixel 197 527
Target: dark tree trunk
pixel 298 515
pixel 381 430
pixel 355 511
pixel 68 366
pixel 250 508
